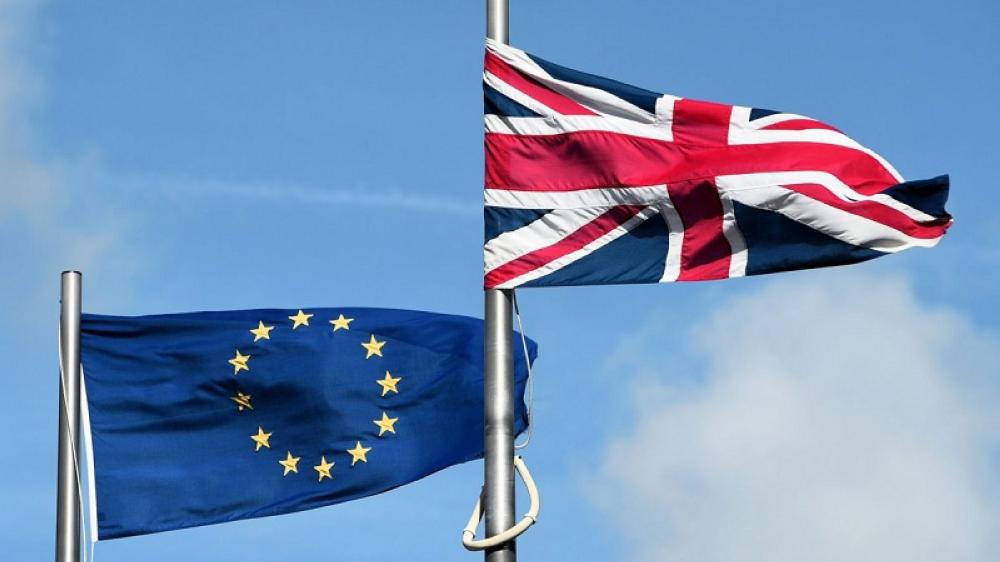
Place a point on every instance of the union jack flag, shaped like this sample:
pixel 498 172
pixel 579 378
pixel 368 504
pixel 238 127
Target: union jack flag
pixel 590 181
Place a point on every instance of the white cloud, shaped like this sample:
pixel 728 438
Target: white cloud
pixel 830 417
pixel 25 184
pixel 51 218
pixel 64 209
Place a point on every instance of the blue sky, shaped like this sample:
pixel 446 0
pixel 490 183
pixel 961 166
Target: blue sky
pixel 243 155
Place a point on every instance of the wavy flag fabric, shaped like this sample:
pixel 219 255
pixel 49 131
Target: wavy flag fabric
pixel 200 418
pixel 590 181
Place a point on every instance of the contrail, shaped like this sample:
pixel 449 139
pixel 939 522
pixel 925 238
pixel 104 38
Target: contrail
pixel 385 198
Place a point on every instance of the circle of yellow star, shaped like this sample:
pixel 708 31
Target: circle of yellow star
pixel 386 424
pixel 261 332
pixel 290 463
pixel 261 439
pixel 300 319
pixel 242 401
pixel 358 453
pixel 388 383
pixel 239 362
pixel 341 323
pixel 323 468
pixel 373 347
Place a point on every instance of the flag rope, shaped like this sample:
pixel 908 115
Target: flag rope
pixel 73 447
pixel 530 518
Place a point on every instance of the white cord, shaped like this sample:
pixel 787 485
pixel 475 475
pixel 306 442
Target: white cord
pixel 469 533
pixel 531 379
pixel 76 460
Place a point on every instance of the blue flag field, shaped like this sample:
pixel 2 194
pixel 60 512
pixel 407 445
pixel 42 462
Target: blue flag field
pixel 208 417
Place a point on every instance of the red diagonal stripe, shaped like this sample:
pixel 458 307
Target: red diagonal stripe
pixel 530 87
pixel 877 212
pixel 579 238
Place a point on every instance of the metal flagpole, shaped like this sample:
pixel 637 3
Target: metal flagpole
pixel 498 490
pixel 68 494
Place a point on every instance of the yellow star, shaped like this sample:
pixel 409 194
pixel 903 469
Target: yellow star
pixel 358 453
pixel 261 439
pixel 239 362
pixel 341 322
pixel 290 463
pixel 300 319
pixel 261 332
pixel 389 383
pixel 374 347
pixel 323 468
pixel 242 400
pixel 385 424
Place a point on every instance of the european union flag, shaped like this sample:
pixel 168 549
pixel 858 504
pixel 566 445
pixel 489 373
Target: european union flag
pixel 208 417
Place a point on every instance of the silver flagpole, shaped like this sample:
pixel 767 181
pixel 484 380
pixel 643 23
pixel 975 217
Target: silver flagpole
pixel 499 416
pixel 68 494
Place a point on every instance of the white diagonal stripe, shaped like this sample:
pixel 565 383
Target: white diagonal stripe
pixel 834 222
pixel 516 95
pixel 825 179
pixel 540 233
pixel 571 257
pixel 739 135
pixel 594 99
